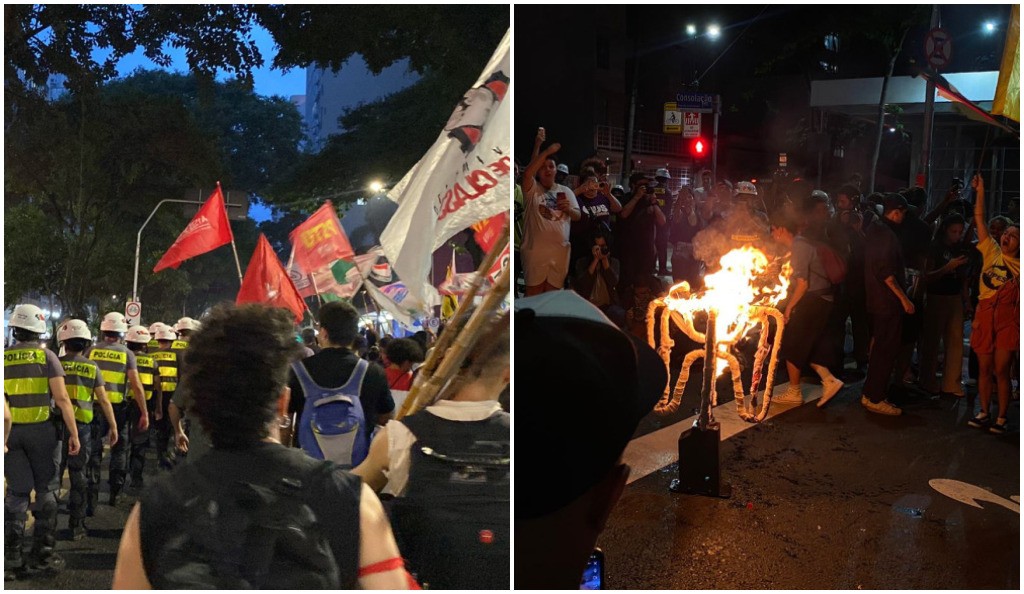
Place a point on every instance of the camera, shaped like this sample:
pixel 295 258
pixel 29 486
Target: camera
pixel 605 250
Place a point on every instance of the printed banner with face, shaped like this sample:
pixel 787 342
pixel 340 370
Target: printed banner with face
pixel 464 178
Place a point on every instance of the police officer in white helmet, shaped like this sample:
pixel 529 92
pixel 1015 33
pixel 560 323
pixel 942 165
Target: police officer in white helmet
pixel 33 380
pixel 86 387
pixel 120 372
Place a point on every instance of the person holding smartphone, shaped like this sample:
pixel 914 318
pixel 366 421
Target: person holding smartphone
pixel 597 275
pixel 596 208
pixel 550 208
pixel 640 217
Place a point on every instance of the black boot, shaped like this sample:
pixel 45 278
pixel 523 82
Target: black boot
pixel 91 500
pixel 43 559
pixel 14 538
pixel 78 529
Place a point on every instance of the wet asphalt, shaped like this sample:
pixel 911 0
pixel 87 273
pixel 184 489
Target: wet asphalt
pixel 831 498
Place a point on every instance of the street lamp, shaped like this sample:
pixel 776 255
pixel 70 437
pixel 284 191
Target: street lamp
pixel 714 31
pixel 990 27
pixel 691 29
pixel 376 187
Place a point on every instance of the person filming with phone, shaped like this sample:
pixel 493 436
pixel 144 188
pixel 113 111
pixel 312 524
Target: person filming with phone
pixel 550 210
pixel 597 275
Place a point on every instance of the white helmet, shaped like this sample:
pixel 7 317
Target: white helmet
pixel 156 326
pixel 745 187
pixel 29 317
pixel 186 324
pixel 137 334
pixel 165 332
pixel 114 322
pixel 662 172
pixel 73 329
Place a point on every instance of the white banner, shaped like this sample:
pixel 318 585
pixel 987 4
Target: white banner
pixel 464 178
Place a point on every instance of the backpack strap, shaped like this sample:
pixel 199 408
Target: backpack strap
pixel 303 374
pixel 354 385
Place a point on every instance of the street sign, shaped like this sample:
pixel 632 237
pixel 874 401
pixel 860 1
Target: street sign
pixel 235 201
pixel 133 313
pixel 783 160
pixel 691 124
pixel 699 102
pixel 673 119
pixel 938 48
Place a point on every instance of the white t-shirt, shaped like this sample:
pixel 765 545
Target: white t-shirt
pixel 545 247
pixel 545 224
pixel 400 439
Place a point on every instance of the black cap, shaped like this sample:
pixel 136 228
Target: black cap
pixel 584 387
pixel 893 201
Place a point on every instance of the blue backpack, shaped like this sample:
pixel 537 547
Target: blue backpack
pixel 333 425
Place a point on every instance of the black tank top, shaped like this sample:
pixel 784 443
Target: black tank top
pixel 168 537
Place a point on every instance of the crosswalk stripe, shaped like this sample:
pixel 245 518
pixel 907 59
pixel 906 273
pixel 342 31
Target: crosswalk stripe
pixel 649 453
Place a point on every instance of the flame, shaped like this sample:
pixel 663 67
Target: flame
pixel 744 281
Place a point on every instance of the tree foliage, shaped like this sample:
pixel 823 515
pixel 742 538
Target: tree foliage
pixel 84 173
pixel 45 39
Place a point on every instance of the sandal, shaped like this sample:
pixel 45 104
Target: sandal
pixel 998 428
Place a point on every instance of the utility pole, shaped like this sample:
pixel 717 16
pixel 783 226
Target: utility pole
pixel 925 163
pixel 627 153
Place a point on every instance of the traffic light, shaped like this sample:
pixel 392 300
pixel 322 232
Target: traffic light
pixel 699 149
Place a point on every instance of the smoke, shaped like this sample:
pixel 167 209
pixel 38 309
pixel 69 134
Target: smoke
pixel 739 227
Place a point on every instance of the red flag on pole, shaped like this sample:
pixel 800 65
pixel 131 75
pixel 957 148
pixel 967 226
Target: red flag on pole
pixel 208 230
pixel 320 240
pixel 267 282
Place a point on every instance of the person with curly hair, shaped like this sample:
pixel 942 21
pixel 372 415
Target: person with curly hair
pixel 179 534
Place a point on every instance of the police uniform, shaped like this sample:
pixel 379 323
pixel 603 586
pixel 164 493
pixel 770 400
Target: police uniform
pixel 166 362
pixel 150 378
pixel 33 454
pixel 198 441
pixel 82 376
pixel 115 361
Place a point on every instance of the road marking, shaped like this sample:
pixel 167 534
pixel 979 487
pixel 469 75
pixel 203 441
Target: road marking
pixel 972 494
pixel 649 453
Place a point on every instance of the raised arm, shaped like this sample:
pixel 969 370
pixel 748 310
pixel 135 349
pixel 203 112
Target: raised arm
pixel 534 167
pixel 979 207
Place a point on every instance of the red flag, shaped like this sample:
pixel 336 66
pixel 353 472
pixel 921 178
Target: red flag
pixel 208 230
pixel 267 282
pixel 488 230
pixel 320 240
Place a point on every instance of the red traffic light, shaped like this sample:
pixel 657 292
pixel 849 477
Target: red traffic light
pixel 698 148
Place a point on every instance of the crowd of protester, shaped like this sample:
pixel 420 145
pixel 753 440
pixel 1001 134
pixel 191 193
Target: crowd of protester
pixel 882 290
pixel 288 468
pixel 875 271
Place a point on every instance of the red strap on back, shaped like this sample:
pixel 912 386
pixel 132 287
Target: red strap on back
pixel 382 566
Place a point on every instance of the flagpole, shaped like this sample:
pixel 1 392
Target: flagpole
pixel 316 290
pixel 234 249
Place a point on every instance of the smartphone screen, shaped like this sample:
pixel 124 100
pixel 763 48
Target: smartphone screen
pixel 593 574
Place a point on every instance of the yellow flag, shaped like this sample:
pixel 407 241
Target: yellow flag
pixel 1007 101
